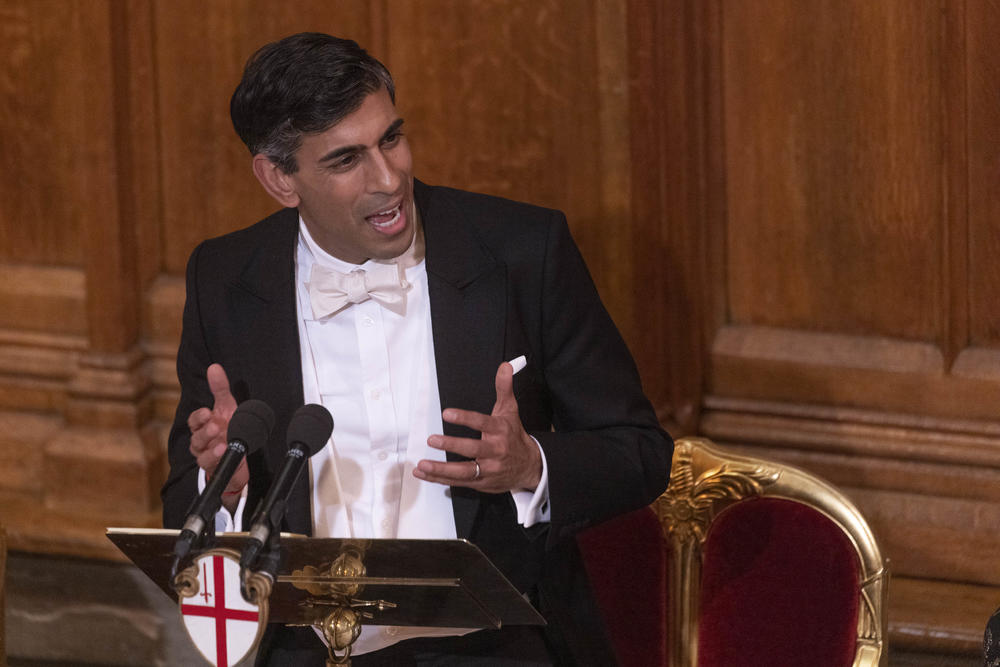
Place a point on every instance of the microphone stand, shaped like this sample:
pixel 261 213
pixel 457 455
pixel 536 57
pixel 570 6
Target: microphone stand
pixel 203 541
pixel 268 559
pixel 308 432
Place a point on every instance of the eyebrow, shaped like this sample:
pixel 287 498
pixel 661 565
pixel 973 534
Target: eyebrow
pixel 357 148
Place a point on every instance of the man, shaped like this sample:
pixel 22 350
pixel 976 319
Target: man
pixel 387 300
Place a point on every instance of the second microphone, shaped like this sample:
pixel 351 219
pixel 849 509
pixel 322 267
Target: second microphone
pixel 308 431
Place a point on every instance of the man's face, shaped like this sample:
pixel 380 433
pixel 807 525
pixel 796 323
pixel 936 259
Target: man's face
pixel 354 184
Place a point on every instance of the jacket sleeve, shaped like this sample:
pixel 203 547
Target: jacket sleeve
pixel 606 453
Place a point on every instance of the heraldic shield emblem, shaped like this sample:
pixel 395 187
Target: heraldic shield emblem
pixel 223 626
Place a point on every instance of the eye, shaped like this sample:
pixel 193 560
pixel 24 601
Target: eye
pixel 345 162
pixel 392 139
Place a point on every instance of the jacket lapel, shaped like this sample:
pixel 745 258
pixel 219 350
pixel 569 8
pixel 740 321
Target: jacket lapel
pixel 467 288
pixel 262 306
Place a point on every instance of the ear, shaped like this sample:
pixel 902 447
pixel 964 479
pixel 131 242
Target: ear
pixel 277 183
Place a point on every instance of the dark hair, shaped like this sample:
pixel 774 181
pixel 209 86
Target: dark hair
pixel 302 84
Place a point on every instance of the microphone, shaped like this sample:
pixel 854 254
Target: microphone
pixel 249 428
pixel 308 431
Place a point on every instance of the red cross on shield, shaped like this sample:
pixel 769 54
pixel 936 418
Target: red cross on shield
pixel 222 625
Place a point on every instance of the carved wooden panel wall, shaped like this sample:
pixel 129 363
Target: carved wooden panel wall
pixel 841 202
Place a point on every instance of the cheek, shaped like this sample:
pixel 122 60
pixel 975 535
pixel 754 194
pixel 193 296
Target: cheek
pixel 342 198
pixel 402 159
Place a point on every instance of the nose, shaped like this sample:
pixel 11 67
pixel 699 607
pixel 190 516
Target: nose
pixel 383 175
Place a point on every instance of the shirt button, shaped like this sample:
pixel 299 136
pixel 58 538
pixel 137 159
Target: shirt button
pixel 382 456
pixel 367 321
pixel 385 524
pixel 375 394
pixel 392 631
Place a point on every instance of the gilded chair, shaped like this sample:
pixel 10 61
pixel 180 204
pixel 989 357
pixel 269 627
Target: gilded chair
pixel 741 561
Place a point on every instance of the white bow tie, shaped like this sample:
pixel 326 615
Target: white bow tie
pixel 331 291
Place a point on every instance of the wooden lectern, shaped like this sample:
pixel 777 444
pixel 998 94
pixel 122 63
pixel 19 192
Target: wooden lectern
pixel 338 585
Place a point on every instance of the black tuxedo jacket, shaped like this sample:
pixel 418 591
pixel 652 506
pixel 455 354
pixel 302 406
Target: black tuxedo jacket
pixel 504 279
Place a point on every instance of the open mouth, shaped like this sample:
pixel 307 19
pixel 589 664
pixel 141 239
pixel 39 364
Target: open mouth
pixel 389 221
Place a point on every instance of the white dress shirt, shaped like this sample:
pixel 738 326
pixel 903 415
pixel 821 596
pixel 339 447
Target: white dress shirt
pixel 374 370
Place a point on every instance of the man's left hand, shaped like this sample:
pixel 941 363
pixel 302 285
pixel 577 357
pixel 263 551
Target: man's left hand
pixel 508 458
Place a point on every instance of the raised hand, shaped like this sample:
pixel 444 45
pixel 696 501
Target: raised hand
pixel 208 431
pixel 504 458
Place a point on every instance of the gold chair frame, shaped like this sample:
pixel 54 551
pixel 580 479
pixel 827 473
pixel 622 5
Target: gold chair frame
pixel 704 480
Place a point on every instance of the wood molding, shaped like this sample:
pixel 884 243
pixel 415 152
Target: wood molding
pixel 876 373
pixel 50 299
pixel 22 451
pixel 864 433
pixel 937 616
pixel 104 472
pixel 60 485
pixel 934 536
pixel 91 456
pixel 826 349
pixel 110 391
pixel 978 363
pixel 37 528
pixel 35 369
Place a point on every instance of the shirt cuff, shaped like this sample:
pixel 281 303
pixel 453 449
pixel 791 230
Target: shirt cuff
pixel 533 506
pixel 224 521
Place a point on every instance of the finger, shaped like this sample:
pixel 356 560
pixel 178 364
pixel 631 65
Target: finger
pixel 203 436
pixel 454 472
pixel 208 458
pixel 504 384
pixel 199 418
pixel 462 474
pixel 477 421
pixel 218 383
pixel 207 461
pixel 470 448
pixel 208 432
pixel 200 443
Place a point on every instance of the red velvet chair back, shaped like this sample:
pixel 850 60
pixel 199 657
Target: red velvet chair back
pixel 740 562
pixel 779 586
